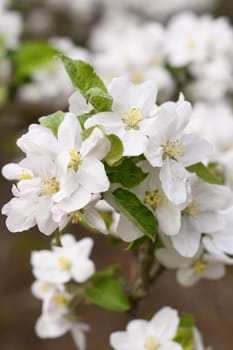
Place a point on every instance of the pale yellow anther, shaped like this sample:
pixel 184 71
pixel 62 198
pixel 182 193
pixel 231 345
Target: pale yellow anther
pixel 61 300
pixel 64 263
pixel 132 118
pixel 155 198
pixel 151 343
pixel 173 149
pixel 75 159
pixel 137 77
pixel 192 209
pixel 191 44
pixel 49 187
pixel 76 217
pixel 200 267
pixel 45 287
pixel 25 176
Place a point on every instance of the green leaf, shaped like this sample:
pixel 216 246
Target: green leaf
pixel 116 152
pixel 108 294
pixel 53 121
pixel 105 274
pixel 88 83
pixel 185 337
pixel 204 173
pixel 136 211
pixel 186 320
pixel 127 173
pixel 31 56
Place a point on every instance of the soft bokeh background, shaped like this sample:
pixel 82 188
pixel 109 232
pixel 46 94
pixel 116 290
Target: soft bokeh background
pixel 210 302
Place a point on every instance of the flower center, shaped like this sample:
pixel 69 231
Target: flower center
pixel 191 44
pixel 192 209
pixel 64 263
pixel 25 176
pixel 173 149
pixel 50 187
pixel 155 198
pixel 75 159
pixel 151 343
pixel 200 267
pixel 132 118
pixel 76 217
pixel 61 300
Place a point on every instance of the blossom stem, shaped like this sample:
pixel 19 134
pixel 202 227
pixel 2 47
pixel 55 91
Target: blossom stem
pixel 58 238
pixel 149 270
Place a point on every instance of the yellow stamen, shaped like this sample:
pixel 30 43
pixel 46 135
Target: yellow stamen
pixel 25 176
pixel 76 217
pixel 151 343
pixel 192 209
pixel 61 300
pixel 173 149
pixel 75 159
pixel 49 187
pixel 64 263
pixel 200 267
pixel 132 118
pixel 155 198
pixel 191 44
pixel 45 287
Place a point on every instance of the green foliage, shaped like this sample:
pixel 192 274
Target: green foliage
pixel 53 121
pixel 109 294
pixel 31 56
pixel 204 173
pixel 127 173
pixel 109 272
pixel 88 83
pixel 136 211
pixel 116 152
pixel 184 335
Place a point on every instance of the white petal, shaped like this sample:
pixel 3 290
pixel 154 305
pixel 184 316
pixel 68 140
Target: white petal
pixel 120 341
pixel 187 241
pixel 215 270
pixel 171 259
pixel 126 230
pixel 47 328
pixel 77 332
pixel 170 345
pixel 77 201
pixel 13 171
pixel 44 216
pixel 69 132
pixel 196 149
pixel 109 120
pixel 77 104
pixel 96 145
pixel 174 181
pixel 187 277
pixel 91 175
pixel 134 143
pixel 82 270
pixel 95 220
pixel 164 324
pixel 169 218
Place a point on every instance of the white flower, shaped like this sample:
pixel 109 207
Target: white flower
pixel 71 261
pixel 172 150
pixel 190 271
pixel 54 321
pixel 202 215
pixel 130 117
pixel 58 177
pixel 41 289
pixel 156 334
pixel 151 193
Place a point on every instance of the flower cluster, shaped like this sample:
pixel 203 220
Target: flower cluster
pixel 194 51
pixel 53 269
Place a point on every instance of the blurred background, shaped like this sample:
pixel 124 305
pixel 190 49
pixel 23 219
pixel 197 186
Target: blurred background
pixel 33 84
